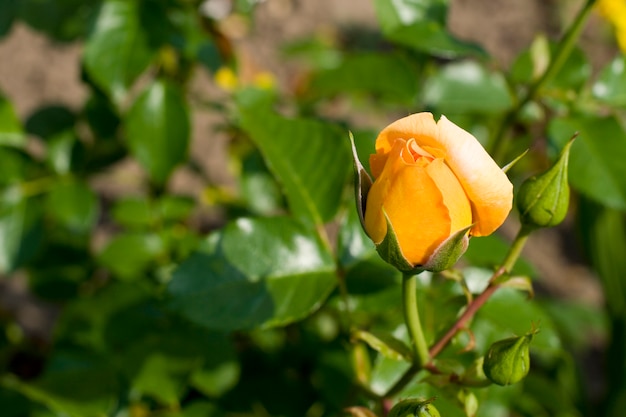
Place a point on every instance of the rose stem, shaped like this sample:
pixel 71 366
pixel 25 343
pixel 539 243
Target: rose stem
pixel 411 316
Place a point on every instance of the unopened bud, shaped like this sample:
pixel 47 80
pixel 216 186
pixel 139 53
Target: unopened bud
pixel 543 199
pixel 508 360
pixel 414 408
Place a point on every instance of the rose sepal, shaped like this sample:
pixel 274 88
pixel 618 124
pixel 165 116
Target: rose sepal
pixel 444 257
pixel 362 184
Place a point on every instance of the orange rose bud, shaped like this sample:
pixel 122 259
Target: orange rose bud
pixel 434 185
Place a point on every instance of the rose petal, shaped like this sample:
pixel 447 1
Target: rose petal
pixel 413 203
pixel 487 187
pixel 454 197
pixel 489 190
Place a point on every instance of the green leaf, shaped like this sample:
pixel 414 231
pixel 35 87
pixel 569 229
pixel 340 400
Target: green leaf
pixel 159 367
pixel 610 86
pixel 604 238
pixel 193 40
pixel 20 231
pixel 14 165
pixel 467 87
pixel 386 344
pixel 388 75
pixel 311 159
pixel 8 15
pixel 48 121
pixel 118 50
pixel 263 272
pixel 579 323
pixel 61 20
pixel 386 372
pixel 128 255
pixel 83 321
pixel 173 208
pixel 259 189
pixel 596 164
pixel 158 129
pixel 161 355
pixel 11 132
pixel 202 409
pixel 133 212
pixel 77 384
pixel 74 205
pixel 421 24
pixel 64 152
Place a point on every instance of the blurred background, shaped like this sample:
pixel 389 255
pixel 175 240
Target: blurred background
pixel 62 96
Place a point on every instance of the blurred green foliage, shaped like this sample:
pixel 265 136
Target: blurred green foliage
pixel 163 311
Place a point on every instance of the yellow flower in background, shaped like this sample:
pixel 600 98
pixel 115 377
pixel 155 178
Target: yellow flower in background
pixel 614 11
pixel 226 78
pixel 432 180
pixel 265 80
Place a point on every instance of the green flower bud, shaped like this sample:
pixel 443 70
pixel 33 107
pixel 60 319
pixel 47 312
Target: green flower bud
pixel 543 199
pixel 414 408
pixel 508 360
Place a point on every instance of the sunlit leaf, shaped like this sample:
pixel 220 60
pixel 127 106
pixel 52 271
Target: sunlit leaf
pixel 610 86
pixel 158 129
pixel 309 158
pixel 596 163
pixel 20 231
pixel 467 87
pixel 264 272
pixel 421 24
pixel 117 51
pixel 11 132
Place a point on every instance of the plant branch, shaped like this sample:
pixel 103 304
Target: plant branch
pixel 509 261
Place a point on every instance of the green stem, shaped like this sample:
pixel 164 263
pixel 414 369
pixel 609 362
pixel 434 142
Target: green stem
pixel 412 319
pixel 516 249
pixel 564 48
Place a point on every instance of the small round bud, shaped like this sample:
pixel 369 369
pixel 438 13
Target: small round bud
pixel 508 360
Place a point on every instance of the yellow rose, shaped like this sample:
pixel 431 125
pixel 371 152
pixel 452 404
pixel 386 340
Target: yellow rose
pixel 432 180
